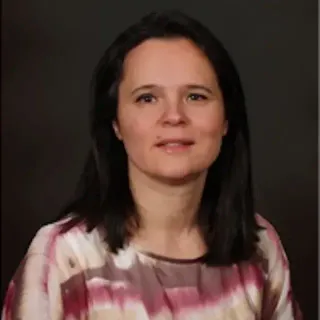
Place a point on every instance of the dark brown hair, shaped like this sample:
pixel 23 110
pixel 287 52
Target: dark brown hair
pixel 103 197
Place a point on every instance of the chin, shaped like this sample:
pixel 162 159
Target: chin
pixel 177 177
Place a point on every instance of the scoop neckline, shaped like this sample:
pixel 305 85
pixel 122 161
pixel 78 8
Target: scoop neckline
pixel 162 258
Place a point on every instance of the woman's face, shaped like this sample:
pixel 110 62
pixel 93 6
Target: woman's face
pixel 170 110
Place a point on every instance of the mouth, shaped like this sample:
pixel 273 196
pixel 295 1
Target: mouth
pixel 175 145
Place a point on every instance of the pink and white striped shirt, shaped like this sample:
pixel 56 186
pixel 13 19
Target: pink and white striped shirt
pixel 72 275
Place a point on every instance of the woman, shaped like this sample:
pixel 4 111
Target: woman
pixel 163 223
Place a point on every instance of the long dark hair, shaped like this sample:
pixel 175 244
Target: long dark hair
pixel 103 197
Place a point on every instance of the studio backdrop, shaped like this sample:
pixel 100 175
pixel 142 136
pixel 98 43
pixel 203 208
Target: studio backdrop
pixel 49 50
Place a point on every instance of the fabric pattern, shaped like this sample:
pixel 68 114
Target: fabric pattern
pixel 72 275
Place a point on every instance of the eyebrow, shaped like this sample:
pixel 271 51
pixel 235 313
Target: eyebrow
pixel 188 86
pixel 199 87
pixel 144 87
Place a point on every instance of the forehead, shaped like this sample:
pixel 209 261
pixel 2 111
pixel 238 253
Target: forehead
pixel 167 62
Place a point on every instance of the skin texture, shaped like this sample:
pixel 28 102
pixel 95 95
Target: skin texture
pixel 169 90
pixel 169 110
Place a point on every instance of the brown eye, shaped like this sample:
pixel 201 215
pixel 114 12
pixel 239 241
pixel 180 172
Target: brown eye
pixel 146 98
pixel 197 97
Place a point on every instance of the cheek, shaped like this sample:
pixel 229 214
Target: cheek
pixel 210 121
pixel 134 136
pixel 211 132
pixel 212 127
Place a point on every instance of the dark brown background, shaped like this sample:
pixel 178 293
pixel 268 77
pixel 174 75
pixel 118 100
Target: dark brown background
pixel 48 52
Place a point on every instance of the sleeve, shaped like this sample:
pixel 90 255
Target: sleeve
pixel 278 300
pixel 34 291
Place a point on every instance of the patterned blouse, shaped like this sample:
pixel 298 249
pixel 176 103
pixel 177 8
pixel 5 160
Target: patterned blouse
pixel 72 275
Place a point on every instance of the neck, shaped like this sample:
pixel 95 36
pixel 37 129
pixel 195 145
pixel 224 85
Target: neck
pixel 167 212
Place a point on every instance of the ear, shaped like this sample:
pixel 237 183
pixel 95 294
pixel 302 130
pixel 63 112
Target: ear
pixel 116 129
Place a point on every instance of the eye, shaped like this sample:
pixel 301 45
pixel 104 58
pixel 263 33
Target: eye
pixel 146 98
pixel 196 97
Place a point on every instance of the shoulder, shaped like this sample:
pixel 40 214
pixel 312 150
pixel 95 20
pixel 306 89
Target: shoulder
pixel 270 245
pixel 269 232
pixel 76 247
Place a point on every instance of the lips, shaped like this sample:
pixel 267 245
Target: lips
pixel 175 146
pixel 175 142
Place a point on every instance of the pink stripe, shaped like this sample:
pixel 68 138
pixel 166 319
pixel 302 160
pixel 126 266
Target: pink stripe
pixel 182 298
pixel 75 301
pixel 187 298
pixel 8 303
pixel 118 296
pixel 49 251
pixel 274 237
pixel 177 299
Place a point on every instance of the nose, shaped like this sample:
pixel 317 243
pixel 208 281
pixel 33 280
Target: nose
pixel 174 114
